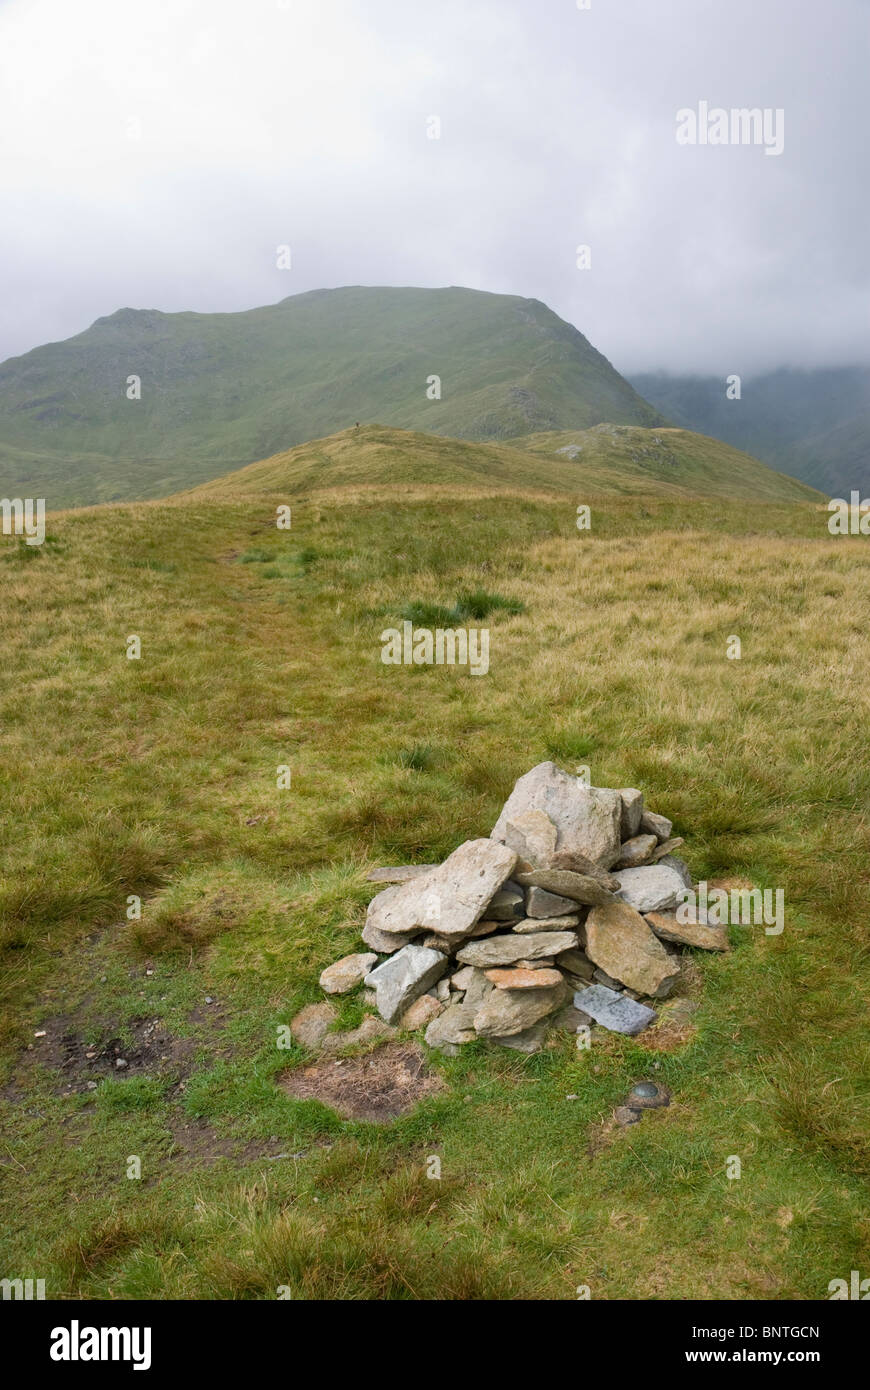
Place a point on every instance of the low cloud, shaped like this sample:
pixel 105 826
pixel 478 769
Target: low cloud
pixel 157 155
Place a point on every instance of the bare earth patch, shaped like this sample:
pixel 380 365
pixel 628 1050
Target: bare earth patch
pixel 151 1051
pixel 378 1087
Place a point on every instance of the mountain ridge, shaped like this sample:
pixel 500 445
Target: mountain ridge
pixel 219 391
pixel 613 459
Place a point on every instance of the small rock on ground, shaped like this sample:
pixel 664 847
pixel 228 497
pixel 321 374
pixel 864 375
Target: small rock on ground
pixel 347 973
pixel 312 1023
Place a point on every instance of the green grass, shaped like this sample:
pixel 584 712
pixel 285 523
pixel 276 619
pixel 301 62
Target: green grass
pixel 157 778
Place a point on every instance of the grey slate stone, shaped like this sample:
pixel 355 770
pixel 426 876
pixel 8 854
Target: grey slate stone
pixel 385 943
pixel 673 861
pixel 530 1040
pixel 455 1026
pixel 540 903
pixel 505 950
pixel 614 1011
pixel 535 924
pixel 601 977
pixel 510 1011
pixel 632 810
pixel 640 849
pixel 508 905
pixel 399 873
pixel 404 977
pixel 566 883
pixel 654 888
pixel 449 899
pixel 652 824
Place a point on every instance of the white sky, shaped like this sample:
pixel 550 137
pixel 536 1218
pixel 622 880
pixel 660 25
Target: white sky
pixel 262 122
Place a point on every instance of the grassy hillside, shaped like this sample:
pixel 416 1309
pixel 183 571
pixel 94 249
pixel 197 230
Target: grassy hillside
pixel 839 460
pixel 627 458
pixel 814 425
pixel 157 778
pixel 221 390
pixel 612 459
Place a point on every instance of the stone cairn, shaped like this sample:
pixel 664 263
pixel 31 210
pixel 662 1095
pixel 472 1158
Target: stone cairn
pixel 564 916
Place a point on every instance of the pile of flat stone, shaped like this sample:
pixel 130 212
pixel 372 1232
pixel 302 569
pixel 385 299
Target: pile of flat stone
pixel 565 916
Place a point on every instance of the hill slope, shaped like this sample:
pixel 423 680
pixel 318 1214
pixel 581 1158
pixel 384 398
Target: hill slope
pixel 626 458
pixel 221 390
pixel 612 459
pixel 813 424
pixel 839 459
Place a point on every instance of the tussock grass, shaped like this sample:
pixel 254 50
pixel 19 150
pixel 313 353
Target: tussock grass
pixel 467 607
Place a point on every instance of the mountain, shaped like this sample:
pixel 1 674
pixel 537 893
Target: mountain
pixel 814 425
pixel 221 390
pixel 839 459
pixel 604 459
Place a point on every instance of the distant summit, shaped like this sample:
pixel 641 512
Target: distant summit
pixel 218 391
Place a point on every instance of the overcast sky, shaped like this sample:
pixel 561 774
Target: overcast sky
pixel 154 153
